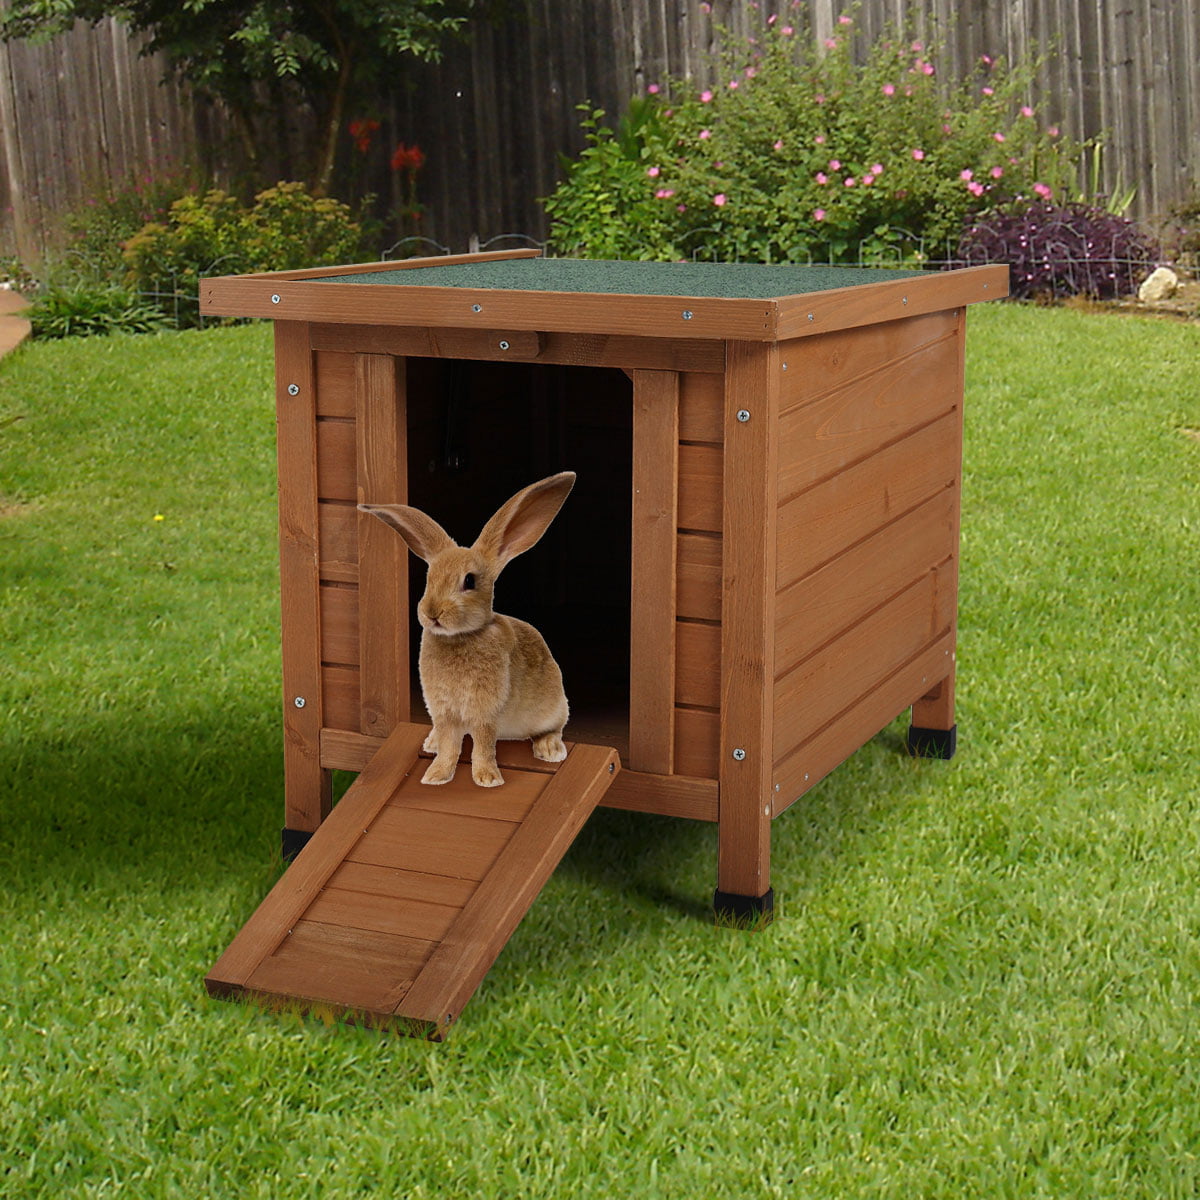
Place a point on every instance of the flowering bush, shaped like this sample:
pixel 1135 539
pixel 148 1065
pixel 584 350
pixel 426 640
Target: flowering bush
pixel 1057 250
pixel 795 155
pixel 286 228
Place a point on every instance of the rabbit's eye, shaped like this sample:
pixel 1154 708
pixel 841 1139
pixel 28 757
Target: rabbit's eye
pixel 469 583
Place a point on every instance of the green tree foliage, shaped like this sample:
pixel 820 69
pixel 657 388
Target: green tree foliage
pixel 330 49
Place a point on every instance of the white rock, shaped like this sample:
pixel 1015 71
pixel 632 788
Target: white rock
pixel 1161 285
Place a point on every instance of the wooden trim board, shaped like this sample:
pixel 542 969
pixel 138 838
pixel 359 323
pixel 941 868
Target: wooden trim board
pixel 406 894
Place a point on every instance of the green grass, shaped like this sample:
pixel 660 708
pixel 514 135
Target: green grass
pixel 985 976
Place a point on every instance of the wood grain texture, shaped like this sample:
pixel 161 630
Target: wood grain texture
pixel 383 612
pixel 655 520
pixel 749 512
pixel 701 476
pixel 697 664
pixel 698 587
pixel 463 957
pixel 307 786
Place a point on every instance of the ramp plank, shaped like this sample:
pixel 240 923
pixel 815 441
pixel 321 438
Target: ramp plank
pixel 404 897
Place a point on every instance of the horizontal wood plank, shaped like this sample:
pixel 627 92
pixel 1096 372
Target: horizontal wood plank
pixel 822 521
pixel 858 420
pixel 340 700
pixel 666 795
pixel 335 384
pixel 698 586
pixel 337 461
pixel 848 668
pixel 414 840
pixel 511 802
pixel 697 664
pixel 809 763
pixel 339 625
pixel 396 885
pixel 701 407
pixel 846 589
pixel 338 542
pixel 697 742
pixel 414 917
pixel 701 471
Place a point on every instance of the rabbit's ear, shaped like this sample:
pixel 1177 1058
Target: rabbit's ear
pixel 522 520
pixel 425 537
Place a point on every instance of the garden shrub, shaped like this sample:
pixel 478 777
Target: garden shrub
pixel 86 309
pixel 1058 250
pixel 287 227
pixel 797 155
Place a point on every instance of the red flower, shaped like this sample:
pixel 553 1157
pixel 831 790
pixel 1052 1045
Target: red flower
pixel 362 131
pixel 408 158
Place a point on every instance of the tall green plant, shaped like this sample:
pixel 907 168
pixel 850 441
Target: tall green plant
pixel 797 153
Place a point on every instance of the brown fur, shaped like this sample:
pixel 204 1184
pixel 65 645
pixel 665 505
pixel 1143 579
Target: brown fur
pixel 483 673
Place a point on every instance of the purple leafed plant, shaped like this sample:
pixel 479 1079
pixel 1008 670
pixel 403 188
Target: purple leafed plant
pixel 1061 249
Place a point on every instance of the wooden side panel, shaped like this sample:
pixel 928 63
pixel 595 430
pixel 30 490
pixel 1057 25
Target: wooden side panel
pixel 698 587
pixel 749 512
pixel 868 536
pixel 653 575
pixel 307 787
pixel 701 472
pixel 383 556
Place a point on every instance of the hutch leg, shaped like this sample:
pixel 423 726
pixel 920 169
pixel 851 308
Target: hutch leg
pixel 307 786
pixel 747 632
pixel 933 733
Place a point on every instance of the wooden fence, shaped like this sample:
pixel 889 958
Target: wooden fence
pixel 496 115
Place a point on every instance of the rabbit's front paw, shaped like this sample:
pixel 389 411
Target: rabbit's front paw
pixel 430 744
pixel 439 771
pixel 486 774
pixel 549 748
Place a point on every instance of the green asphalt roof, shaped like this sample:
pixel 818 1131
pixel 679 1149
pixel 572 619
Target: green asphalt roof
pixel 727 281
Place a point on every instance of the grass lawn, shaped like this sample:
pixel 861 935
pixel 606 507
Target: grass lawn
pixel 985 976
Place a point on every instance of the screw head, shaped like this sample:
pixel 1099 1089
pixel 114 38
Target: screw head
pixel 687 314
pixel 812 316
pixel 275 299
pixel 299 702
pixel 739 754
pixel 503 345
pixel 743 415
pixel 477 308
pixel 293 389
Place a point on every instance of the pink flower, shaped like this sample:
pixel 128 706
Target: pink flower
pixel 849 181
pixel 681 208
pixel 1026 111
pixel 927 68
pixel 779 144
pixel 652 172
pixel 750 72
pixel 720 199
pixel 706 8
pixel 986 59
pixel 831 43
pixel 705 97
pixel 917 47
pixel 772 19
pixel 876 168
pixel 819 139
pixel 1042 190
pixel 1053 131
pixel 845 20
pixel 835 164
pixel 976 189
pixel 987 91
pixel 967 174
pixel 868 179
pixel 947 129
pixel 705 134
pixel 918 155
pixel 786 30
pixel 999 137
pixel 819 99
pixel 733 85
pixel 653 89
pixel 997 172
pixel 822 178
pixel 889 89
pixel 664 193
pixel 818 214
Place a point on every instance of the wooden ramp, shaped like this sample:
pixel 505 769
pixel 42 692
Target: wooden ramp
pixel 402 900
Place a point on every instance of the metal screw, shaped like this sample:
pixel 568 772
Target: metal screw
pixel 743 415
pixel 903 299
pixel 612 767
pixel 687 314
pixel 503 345
pixel 477 308
pixel 812 316
pixel 785 366
pixel 299 702
pixel 274 299
pixel 739 754
pixel 293 389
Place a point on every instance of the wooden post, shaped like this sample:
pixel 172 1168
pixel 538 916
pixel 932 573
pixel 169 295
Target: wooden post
pixel 747 630
pixel 307 787
pixel 932 730
pixel 655 538
pixel 382 453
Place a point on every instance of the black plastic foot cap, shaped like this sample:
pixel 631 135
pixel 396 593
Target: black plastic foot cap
pixel 932 743
pixel 744 910
pixel 293 841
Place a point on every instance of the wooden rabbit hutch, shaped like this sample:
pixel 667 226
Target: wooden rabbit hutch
pixel 756 573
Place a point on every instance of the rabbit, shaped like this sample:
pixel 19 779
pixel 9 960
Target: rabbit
pixel 483 673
